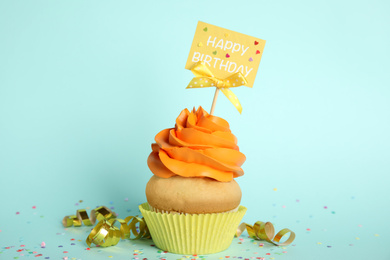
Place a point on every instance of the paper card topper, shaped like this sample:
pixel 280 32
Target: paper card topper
pixel 226 52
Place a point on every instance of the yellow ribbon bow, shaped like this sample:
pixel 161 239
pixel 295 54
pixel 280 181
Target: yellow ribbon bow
pixel 204 78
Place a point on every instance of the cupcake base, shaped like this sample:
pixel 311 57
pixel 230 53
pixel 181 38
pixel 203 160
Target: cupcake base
pixel 191 234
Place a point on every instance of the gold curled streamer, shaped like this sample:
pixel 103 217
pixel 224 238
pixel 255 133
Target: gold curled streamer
pixel 105 233
pixel 204 78
pixel 266 231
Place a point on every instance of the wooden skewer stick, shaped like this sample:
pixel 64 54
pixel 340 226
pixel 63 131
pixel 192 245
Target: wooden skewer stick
pixel 214 101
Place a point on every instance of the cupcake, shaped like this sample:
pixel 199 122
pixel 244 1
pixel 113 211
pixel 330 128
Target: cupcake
pixel 193 200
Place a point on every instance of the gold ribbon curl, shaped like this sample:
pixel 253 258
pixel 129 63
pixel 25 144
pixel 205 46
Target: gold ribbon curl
pixel 105 233
pixel 204 78
pixel 266 231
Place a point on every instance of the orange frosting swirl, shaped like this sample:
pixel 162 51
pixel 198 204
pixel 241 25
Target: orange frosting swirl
pixel 200 145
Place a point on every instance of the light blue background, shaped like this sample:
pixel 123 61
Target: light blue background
pixel 86 85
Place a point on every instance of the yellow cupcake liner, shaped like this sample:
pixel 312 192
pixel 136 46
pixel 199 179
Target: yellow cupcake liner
pixel 191 234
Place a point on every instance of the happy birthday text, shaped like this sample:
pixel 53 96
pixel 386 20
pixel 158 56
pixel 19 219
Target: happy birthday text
pixel 229 66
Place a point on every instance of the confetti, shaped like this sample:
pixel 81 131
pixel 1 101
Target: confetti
pixel 227 55
pixel 43 244
pixel 275 189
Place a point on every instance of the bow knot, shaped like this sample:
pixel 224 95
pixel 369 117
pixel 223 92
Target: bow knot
pixel 219 83
pixel 205 78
